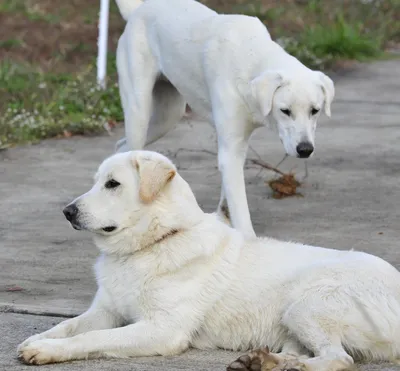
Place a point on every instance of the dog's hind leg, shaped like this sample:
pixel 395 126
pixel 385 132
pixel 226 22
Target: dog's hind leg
pixel 316 329
pixel 168 109
pixel 137 75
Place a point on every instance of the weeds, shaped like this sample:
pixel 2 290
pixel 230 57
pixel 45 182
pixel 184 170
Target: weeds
pixel 45 105
pixel 22 7
pixel 341 40
pixel 320 33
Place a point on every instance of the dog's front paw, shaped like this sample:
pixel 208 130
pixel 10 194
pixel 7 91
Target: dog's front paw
pixel 41 352
pixel 31 339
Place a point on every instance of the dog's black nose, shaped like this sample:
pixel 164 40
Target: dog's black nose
pixel 304 149
pixel 70 212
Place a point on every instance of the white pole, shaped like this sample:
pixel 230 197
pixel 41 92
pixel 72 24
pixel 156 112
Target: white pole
pixel 102 44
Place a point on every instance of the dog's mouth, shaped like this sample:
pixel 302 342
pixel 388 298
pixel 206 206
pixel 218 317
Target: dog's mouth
pixel 109 229
pixel 76 226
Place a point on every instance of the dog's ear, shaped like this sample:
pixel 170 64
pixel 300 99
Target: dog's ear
pixel 263 89
pixel 329 91
pixel 154 172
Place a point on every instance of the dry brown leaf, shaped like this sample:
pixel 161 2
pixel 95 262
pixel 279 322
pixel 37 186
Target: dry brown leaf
pixel 14 288
pixel 284 186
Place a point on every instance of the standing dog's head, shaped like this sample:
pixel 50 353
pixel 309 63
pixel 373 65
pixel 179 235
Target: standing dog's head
pixel 137 195
pixel 293 102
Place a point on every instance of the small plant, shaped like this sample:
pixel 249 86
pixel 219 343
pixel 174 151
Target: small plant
pixel 10 43
pixel 39 106
pixel 341 40
pixel 320 34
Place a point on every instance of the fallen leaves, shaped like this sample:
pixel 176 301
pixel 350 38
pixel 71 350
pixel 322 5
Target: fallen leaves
pixel 14 289
pixel 284 186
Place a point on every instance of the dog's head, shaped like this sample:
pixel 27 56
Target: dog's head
pixel 293 103
pixel 136 194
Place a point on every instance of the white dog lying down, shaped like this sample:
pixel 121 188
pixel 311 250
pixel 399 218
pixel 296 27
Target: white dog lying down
pixel 227 68
pixel 176 277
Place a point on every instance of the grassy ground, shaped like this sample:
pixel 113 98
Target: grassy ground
pixel 48 50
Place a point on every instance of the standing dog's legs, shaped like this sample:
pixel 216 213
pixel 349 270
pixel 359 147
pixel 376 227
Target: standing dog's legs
pixel 223 208
pixel 233 135
pixel 137 75
pixel 168 110
pixel 231 160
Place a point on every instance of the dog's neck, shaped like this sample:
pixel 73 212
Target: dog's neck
pixel 166 235
pixel 128 243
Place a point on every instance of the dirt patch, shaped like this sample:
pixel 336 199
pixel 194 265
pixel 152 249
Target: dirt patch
pixel 56 36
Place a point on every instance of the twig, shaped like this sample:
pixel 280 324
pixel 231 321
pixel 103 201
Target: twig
pixel 266 165
pixel 255 161
pixel 306 171
pixel 281 161
pixel 255 152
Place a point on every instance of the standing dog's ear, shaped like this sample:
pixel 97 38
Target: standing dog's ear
pixel 329 91
pixel 154 173
pixel 263 88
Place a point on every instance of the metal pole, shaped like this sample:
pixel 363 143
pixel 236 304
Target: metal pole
pixel 102 43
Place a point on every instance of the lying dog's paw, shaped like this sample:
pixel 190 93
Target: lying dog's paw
pixel 263 360
pixel 31 339
pixel 252 361
pixel 41 352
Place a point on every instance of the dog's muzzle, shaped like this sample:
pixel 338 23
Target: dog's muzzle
pixel 71 214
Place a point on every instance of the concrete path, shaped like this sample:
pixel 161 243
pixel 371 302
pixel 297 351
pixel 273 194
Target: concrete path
pixel 351 200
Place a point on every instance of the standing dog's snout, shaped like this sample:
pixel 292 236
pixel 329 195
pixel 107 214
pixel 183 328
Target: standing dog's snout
pixel 70 212
pixel 305 149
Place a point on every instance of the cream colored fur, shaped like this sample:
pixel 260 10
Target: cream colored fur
pixel 230 72
pixel 176 277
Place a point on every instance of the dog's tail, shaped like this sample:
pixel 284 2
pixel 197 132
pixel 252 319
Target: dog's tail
pixel 126 7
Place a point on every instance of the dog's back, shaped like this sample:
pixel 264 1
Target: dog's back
pixel 175 10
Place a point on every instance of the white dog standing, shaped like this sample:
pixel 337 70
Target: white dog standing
pixel 227 68
pixel 175 277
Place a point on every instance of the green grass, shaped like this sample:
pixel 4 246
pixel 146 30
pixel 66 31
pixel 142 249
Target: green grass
pixel 320 35
pixel 21 7
pixel 10 43
pixel 321 46
pixel 37 106
pixel 341 40
pixel 8 6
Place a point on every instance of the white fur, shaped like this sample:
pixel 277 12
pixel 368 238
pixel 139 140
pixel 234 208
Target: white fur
pixel 176 277
pixel 227 68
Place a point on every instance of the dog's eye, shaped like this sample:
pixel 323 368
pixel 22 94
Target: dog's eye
pixel 314 111
pixel 112 183
pixel 286 111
